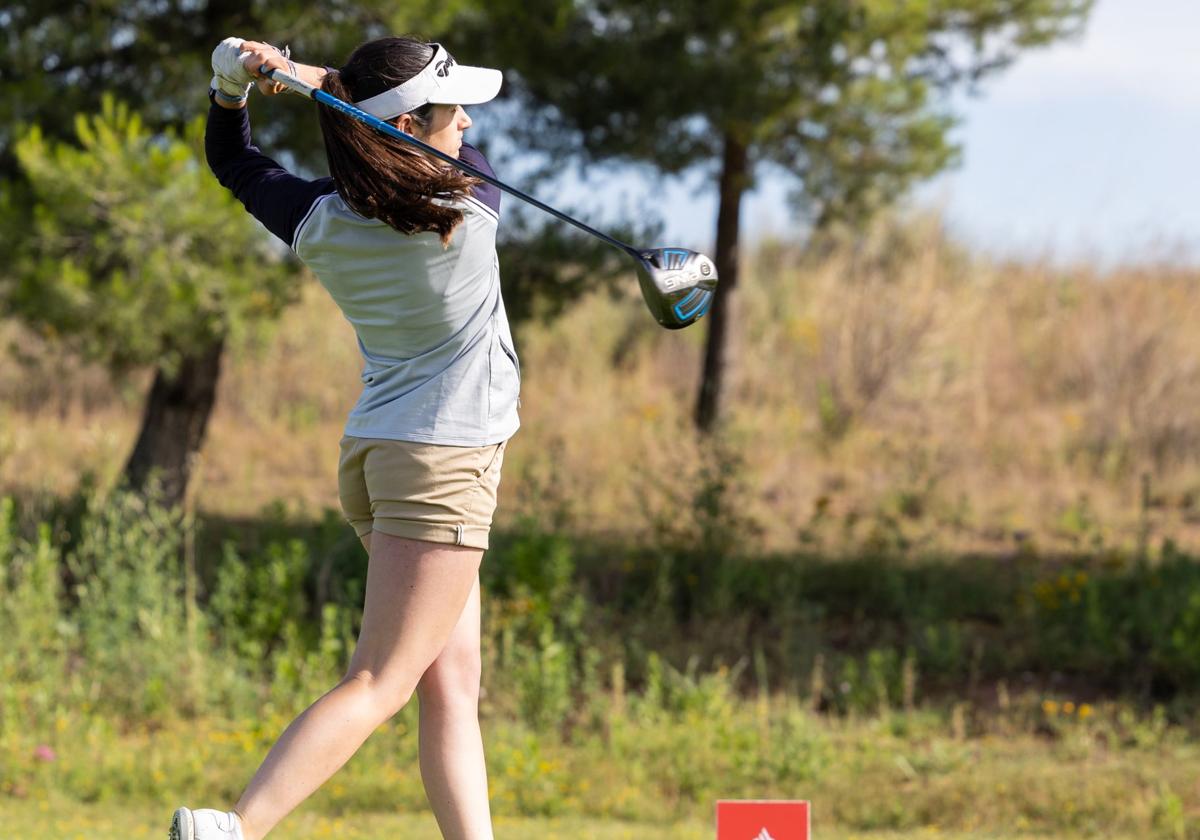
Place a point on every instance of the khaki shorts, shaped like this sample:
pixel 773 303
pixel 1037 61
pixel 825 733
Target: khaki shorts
pixel 420 491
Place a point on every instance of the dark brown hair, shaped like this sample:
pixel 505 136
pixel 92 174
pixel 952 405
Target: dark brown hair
pixel 380 177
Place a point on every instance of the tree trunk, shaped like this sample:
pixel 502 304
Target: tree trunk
pixel 174 423
pixel 719 350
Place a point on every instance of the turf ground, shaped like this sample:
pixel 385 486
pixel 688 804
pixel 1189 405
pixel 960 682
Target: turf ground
pixel 57 819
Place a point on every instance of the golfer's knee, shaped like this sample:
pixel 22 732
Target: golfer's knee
pixel 451 683
pixel 385 696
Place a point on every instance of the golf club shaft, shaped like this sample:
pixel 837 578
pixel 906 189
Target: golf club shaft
pixel 379 125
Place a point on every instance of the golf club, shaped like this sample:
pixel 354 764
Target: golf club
pixel 677 283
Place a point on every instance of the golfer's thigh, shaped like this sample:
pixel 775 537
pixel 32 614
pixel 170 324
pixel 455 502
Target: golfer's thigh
pixel 414 596
pixel 453 678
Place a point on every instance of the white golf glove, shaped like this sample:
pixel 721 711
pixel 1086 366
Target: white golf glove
pixel 230 76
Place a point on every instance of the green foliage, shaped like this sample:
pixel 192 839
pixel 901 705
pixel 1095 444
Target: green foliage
pixel 542 653
pixel 35 642
pixel 100 607
pixel 60 59
pixel 129 620
pixel 256 606
pixel 125 247
pixel 1135 626
pixel 262 615
pixel 118 601
pixel 841 96
pixel 129 629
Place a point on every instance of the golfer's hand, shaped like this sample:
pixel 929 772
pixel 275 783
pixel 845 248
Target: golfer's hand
pixel 254 55
pixel 257 54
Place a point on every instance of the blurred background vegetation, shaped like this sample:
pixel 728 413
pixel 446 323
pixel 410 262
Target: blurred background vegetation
pixel 903 530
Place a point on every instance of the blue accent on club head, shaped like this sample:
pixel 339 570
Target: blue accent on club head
pixel 698 309
pixel 675 258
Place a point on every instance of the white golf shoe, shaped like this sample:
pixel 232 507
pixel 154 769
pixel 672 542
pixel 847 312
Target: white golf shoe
pixel 205 824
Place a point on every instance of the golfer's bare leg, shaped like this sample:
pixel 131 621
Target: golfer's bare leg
pixel 415 594
pixel 451 746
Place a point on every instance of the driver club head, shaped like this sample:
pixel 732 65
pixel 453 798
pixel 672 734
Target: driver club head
pixel 678 285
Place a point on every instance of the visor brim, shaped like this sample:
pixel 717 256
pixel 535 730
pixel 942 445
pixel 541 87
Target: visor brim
pixel 468 86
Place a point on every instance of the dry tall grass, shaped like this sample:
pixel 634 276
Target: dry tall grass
pixel 895 392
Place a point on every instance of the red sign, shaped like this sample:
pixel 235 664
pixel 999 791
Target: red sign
pixel 762 819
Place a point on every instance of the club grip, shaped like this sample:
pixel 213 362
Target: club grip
pixel 290 82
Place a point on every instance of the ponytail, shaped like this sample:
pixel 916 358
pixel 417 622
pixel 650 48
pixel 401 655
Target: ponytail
pixel 378 176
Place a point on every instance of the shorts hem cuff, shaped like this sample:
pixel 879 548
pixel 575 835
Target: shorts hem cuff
pixel 465 535
pixel 361 527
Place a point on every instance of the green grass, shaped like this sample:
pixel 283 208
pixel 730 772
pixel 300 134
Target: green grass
pixel 972 773
pixel 60 819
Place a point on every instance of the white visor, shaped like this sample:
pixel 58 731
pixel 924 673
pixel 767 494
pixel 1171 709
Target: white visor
pixel 442 82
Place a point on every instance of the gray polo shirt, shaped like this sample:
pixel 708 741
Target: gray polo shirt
pixel 439 363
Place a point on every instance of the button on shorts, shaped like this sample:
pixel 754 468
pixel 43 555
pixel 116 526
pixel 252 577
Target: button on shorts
pixel 420 491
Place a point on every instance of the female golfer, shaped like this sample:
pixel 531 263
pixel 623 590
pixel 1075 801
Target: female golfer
pixel 406 246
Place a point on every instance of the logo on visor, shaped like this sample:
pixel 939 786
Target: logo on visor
pixel 443 66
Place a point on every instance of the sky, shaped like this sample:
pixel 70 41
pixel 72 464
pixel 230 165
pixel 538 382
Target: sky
pixel 1083 150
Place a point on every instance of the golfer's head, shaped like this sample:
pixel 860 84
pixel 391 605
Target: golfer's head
pixel 420 89
pixel 417 87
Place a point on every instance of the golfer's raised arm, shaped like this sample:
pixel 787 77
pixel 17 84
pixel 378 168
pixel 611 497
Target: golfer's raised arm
pixel 273 195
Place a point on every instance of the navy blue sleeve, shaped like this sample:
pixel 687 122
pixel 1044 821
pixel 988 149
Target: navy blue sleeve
pixel 274 196
pixel 485 193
